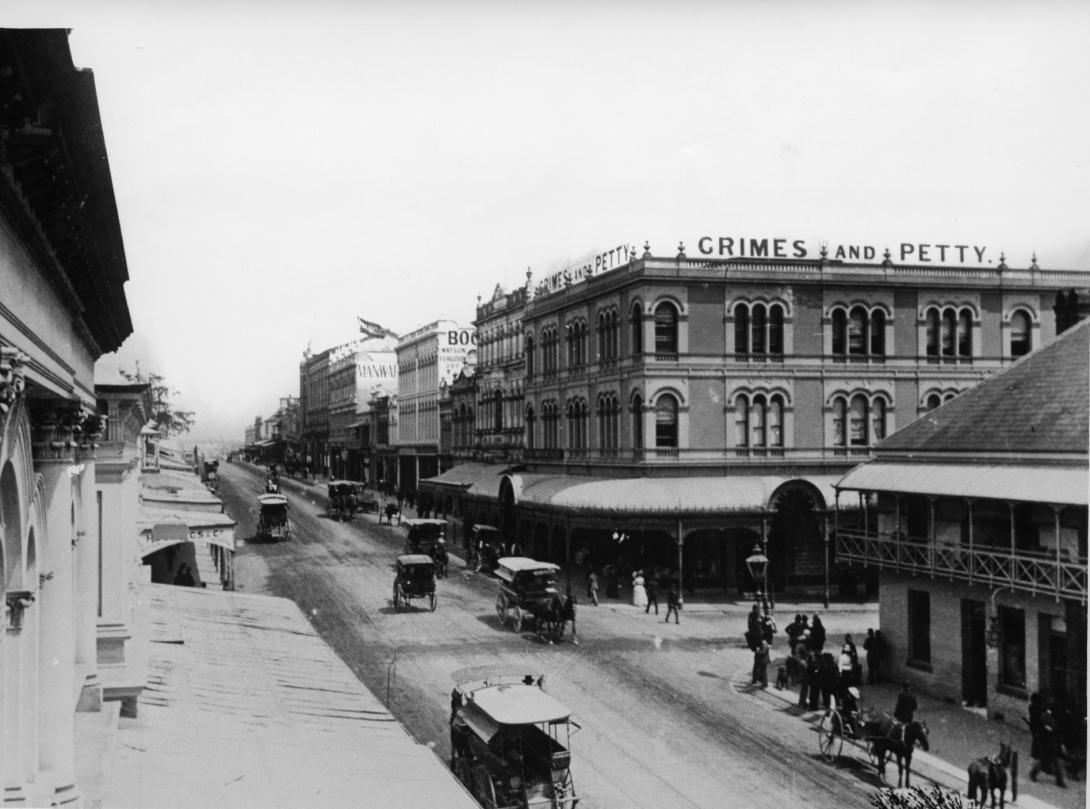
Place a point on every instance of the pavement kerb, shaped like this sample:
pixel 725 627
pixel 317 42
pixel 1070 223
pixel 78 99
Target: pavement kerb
pixel 740 685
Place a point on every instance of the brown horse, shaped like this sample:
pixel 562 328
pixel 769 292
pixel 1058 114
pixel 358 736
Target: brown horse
pixel 990 774
pixel 890 738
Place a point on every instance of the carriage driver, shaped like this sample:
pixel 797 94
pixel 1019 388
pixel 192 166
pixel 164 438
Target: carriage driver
pixel 849 708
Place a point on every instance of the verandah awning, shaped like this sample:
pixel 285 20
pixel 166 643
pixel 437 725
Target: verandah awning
pixel 161 528
pixel 1065 485
pixel 481 479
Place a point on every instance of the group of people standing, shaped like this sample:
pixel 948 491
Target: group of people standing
pixel 645 593
pixel 1047 746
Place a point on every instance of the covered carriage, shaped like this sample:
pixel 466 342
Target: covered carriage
pixel 528 594
pixel 272 517
pixel 510 744
pixel 415 579
pixel 346 498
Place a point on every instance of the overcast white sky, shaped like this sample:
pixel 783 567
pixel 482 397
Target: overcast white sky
pixel 281 167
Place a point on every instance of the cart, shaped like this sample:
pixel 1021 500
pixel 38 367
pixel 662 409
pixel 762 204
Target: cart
pixel 345 499
pixel 485 547
pixel 272 517
pixel 836 726
pixel 423 535
pixel 510 744
pixel 528 594
pixel 415 580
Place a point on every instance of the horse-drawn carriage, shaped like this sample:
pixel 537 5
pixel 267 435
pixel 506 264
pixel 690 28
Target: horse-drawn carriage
pixel 272 517
pixel 415 579
pixel 509 744
pixel 878 733
pixel 423 535
pixel 346 497
pixel 210 476
pixel 486 548
pixel 528 594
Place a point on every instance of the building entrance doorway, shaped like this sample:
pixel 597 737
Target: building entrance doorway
pixel 974 667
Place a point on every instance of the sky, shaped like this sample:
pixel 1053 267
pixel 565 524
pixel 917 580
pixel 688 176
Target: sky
pixel 281 168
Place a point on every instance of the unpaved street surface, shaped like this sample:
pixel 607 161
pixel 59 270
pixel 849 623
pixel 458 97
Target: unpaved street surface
pixel 661 725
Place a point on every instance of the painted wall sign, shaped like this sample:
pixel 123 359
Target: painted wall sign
pixel 601 262
pixel 906 252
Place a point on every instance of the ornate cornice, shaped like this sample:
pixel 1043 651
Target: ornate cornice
pixel 63 431
pixel 12 382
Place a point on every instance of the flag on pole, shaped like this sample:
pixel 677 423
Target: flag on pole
pixel 370 329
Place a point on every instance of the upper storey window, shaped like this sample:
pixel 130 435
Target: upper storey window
pixel 666 330
pixel 576 335
pixel 637 330
pixel 1021 333
pixel 529 348
pixel 608 327
pixel 948 333
pixel 758 329
pixel 858 332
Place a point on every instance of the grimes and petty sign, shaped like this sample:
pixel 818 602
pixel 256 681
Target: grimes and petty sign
pixel 907 252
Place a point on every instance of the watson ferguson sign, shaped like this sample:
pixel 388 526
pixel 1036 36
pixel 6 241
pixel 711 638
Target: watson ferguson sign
pixel 908 252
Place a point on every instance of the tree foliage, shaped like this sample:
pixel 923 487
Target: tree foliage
pixel 916 798
pixel 170 420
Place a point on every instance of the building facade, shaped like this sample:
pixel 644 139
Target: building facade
pixel 62 276
pixel 359 370
pixel 977 520
pixel 705 407
pixel 314 411
pixel 426 358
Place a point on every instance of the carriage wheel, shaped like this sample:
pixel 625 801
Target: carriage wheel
pixel 433 601
pixel 518 618
pixel 464 773
pixel 564 789
pixel 831 736
pixel 486 790
pixel 501 609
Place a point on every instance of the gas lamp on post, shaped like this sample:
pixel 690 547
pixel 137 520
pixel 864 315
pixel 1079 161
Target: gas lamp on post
pixel 757 563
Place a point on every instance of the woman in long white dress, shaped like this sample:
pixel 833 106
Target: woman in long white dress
pixel 639 592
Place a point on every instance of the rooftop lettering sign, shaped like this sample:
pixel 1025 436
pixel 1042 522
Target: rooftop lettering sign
pixel 599 263
pixel 906 252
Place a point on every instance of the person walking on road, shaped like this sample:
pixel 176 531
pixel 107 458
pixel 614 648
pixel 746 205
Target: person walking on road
pixel 872 647
pixel 817 635
pixel 1036 708
pixel 639 590
pixel 673 604
pixel 1049 747
pixel 592 587
pixel 652 593
pixel 761 659
pixel 805 668
pixel 813 674
pixel 905 710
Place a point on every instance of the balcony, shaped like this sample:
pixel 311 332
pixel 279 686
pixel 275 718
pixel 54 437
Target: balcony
pixel 1034 572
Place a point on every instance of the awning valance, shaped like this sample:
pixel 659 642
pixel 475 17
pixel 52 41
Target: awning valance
pixel 1065 485
pixel 161 528
pixel 482 479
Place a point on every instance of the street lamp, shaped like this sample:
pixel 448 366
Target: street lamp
pixel 757 563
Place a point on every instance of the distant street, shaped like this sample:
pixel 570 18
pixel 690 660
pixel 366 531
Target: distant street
pixel 661 726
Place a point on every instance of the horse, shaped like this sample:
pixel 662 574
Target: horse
pixel 888 737
pixel 990 774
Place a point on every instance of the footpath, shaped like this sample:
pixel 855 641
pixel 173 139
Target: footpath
pixel 957 737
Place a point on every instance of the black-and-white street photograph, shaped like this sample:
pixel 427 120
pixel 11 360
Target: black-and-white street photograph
pixel 529 405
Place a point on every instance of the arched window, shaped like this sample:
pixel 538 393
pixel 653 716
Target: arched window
pixel 949 332
pixel 878 420
pixel 932 332
pixel 603 337
pixel 775 421
pixel 840 416
pixel 933 401
pixel 666 410
pixel 757 422
pixel 637 330
pixel 614 328
pixel 758 329
pixel 857 331
pixel 741 329
pixel 775 329
pixel 965 334
pixel 497 411
pixel 665 329
pixel 572 431
pixel 614 422
pixel 1021 334
pixel 857 421
pixel 878 333
pixel 529 343
pixel 529 427
pixel 741 421
pixel 637 422
pixel 840 332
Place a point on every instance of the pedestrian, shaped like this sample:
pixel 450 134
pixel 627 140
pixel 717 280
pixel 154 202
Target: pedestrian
pixel 793 630
pixel 639 591
pixel 817 635
pixel 673 604
pixel 804 679
pixel 1036 708
pixel 874 659
pixel 592 587
pixel 905 709
pixel 761 659
pixel 1050 749
pixel 652 594
pixel 828 679
pixel 813 671
pixel 844 666
pixel 754 632
pixel 568 614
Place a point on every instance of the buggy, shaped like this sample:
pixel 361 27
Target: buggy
pixel 345 499
pixel 415 579
pixel 272 517
pixel 509 744
pixel 528 594
pixel 423 535
pixel 486 547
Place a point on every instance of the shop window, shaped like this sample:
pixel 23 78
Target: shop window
pixel 919 629
pixel 1012 648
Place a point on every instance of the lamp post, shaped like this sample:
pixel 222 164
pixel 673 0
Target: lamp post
pixel 757 563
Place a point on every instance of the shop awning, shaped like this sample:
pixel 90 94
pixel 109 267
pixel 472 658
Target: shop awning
pixel 676 495
pixel 161 528
pixel 1065 485
pixel 482 479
